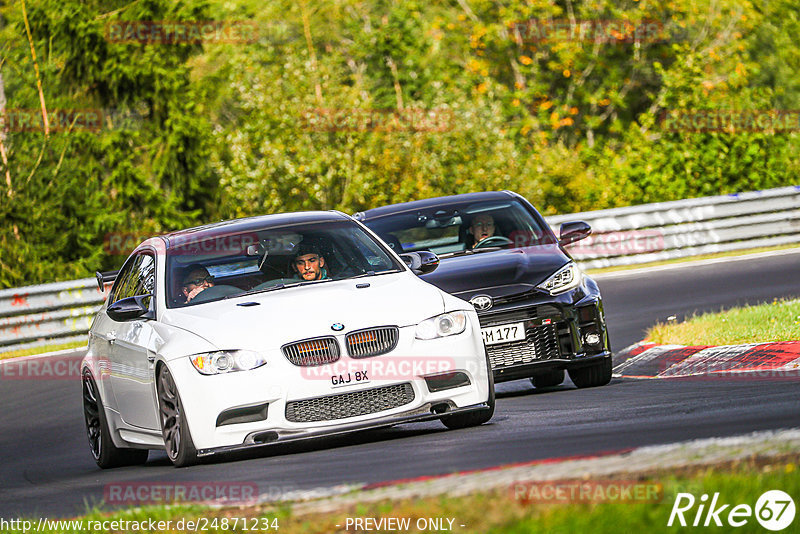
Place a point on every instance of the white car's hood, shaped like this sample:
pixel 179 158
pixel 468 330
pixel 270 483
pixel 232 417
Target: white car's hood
pixel 285 315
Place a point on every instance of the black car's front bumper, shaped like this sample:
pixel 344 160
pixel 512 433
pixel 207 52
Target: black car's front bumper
pixel 562 332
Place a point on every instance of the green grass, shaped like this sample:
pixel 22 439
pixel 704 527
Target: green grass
pixel 500 511
pixel 41 350
pixel 728 254
pixel 776 321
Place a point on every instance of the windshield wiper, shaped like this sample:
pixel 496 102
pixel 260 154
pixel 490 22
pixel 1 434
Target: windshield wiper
pixel 308 282
pixel 254 291
pixel 305 283
pixel 372 273
pixel 469 252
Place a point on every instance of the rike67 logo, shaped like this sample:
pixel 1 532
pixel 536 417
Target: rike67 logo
pixel 774 510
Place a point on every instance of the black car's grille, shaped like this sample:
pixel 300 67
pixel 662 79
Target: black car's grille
pixel 312 352
pixel 516 316
pixel 372 342
pixel 541 343
pixel 352 404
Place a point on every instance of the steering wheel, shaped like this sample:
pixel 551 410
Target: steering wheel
pixel 493 241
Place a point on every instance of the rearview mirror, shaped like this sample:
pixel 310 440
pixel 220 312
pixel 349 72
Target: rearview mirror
pixel 256 250
pixel 131 308
pixel 422 262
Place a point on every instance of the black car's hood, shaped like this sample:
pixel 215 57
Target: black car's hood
pixel 500 273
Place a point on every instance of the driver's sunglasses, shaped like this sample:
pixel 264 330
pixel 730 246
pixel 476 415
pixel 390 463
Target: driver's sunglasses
pixel 299 262
pixel 197 281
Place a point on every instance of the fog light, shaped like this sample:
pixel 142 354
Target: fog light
pixel 591 339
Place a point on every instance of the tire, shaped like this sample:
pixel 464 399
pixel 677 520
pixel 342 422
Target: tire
pixel 105 453
pixel 177 439
pixel 548 380
pixel 475 417
pixel 598 374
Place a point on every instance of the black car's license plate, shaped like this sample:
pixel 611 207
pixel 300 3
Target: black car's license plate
pixel 503 334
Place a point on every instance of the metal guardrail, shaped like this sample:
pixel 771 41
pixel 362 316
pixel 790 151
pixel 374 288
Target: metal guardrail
pixel 54 313
pixel 47 313
pixel 654 232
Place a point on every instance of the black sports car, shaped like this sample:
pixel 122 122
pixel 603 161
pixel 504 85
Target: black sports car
pixel 539 314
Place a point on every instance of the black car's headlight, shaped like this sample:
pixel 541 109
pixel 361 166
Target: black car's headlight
pixel 446 324
pixel 227 361
pixel 566 278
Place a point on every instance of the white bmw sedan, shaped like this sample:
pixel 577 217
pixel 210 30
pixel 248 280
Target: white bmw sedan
pixel 270 329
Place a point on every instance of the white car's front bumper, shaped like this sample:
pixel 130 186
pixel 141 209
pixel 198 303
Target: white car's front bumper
pixel 211 403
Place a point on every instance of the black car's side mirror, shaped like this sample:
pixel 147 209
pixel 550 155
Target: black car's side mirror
pixel 422 262
pixel 131 308
pixel 573 231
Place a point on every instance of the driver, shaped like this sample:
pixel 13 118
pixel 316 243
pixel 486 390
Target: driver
pixel 482 227
pixel 195 280
pixel 309 264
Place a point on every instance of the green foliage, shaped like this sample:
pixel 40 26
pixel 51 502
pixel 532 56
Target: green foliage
pixel 143 170
pixel 199 132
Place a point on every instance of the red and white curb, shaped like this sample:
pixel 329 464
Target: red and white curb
pixel 651 360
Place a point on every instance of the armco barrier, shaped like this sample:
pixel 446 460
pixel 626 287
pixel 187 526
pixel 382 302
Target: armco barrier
pixel 52 313
pixel 47 313
pixel 653 232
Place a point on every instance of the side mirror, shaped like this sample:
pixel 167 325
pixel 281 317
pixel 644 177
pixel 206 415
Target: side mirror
pixel 422 262
pixel 573 231
pixel 131 308
pixel 104 278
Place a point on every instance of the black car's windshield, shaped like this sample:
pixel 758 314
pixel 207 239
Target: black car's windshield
pixel 208 268
pixel 456 229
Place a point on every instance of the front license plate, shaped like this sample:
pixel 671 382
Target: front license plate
pixel 503 333
pixel 353 377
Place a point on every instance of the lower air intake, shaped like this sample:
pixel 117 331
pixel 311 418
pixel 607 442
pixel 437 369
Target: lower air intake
pixel 346 405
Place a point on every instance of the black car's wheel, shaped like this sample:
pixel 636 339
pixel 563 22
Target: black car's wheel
pixel 475 417
pixel 598 374
pixel 104 452
pixel 177 439
pixel 548 380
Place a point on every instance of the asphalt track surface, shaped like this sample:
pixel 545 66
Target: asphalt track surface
pixel 46 468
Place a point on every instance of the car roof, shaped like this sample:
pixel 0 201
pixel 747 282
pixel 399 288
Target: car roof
pixel 392 209
pixel 260 222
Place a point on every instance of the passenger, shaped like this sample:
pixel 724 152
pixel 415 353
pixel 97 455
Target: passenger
pixel 309 264
pixel 482 227
pixel 195 280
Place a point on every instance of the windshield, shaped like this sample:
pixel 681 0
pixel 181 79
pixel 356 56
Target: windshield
pixel 208 268
pixel 459 228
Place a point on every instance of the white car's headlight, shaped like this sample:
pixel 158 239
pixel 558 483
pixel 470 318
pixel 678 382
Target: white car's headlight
pixel 227 361
pixel 446 324
pixel 566 278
